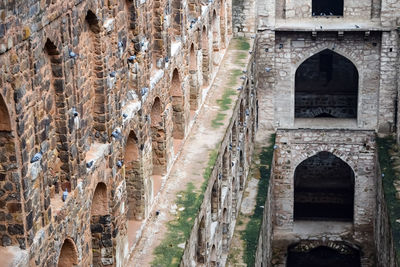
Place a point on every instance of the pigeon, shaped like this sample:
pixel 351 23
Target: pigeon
pixel 320 27
pixel 266 49
pixel 245 71
pixel 267 69
pixel 157 212
pixel 131 58
pixel 280 46
pixel 243 77
pixel 124 115
pixel 220 176
pixel 120 163
pixel 357 26
pixel 144 91
pixel 120 44
pixel 36 157
pixel 247 112
pixel 65 195
pixel 74 112
pixel 250 52
pixel 72 54
pixel 116 134
pixel 89 164
pixel 113 74
pixel 166 59
pixel 275 146
pixel 240 88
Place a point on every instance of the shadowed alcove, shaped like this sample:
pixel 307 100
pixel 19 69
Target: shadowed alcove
pixel 326 86
pixel 322 256
pixel 323 189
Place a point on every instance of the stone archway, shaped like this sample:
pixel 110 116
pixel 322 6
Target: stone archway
pixel 324 189
pixel 326 85
pixel 101 228
pixel 68 254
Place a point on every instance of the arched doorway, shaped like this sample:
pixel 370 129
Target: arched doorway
pixel 213 257
pixel 101 228
pixel 326 85
pixel 322 256
pixel 323 189
pixel 68 255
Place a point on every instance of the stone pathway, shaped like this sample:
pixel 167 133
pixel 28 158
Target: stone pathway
pixel 193 158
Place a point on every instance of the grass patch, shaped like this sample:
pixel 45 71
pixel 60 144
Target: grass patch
pixel 385 145
pixel 169 252
pixel 215 123
pixel 240 56
pixel 251 233
pixel 242 44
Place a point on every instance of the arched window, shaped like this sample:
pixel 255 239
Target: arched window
pixel 213 257
pixel 323 189
pixel 214 201
pixel 68 255
pixel 326 85
pixel 101 227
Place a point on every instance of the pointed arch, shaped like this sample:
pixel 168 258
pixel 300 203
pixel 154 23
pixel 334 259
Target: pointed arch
pixel 324 189
pixel 97 80
pixel 193 82
pixel 201 242
pixel 178 106
pixel 68 254
pixel 214 201
pixel 58 165
pixel 205 53
pixel 134 179
pixel 326 85
pixel 5 123
pixel 215 31
pixel 158 136
pixel 213 257
pixel 101 227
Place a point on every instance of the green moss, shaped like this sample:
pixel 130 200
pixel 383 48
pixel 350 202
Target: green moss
pixel 251 233
pixel 169 253
pixel 393 204
pixel 242 44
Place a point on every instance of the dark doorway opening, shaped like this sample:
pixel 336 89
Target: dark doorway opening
pixel 327 8
pixel 323 189
pixel 323 256
pixel 326 86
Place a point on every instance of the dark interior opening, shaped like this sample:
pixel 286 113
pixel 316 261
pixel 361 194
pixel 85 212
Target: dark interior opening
pixel 327 8
pixel 326 86
pixel 323 189
pixel 323 256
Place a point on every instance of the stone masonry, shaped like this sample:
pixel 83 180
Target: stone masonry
pixel 94 97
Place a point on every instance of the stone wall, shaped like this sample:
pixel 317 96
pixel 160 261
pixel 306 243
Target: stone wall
pixel 215 223
pixel 357 149
pixel 243 17
pixel 80 82
pixel 383 237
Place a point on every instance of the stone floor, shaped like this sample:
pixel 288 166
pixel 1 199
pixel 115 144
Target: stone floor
pixel 192 159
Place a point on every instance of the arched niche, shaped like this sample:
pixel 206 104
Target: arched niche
pixel 178 106
pixel 101 228
pixel 68 254
pixel 324 189
pixel 134 179
pixel 326 85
